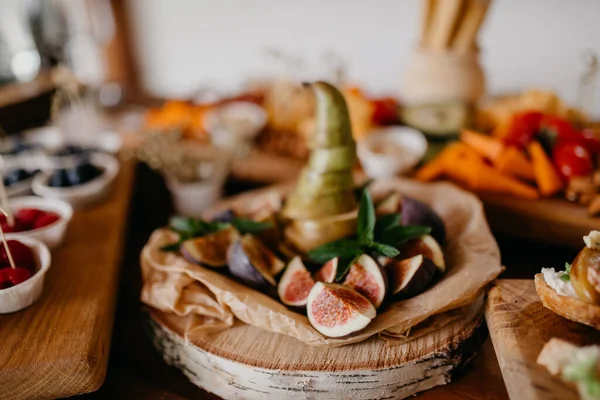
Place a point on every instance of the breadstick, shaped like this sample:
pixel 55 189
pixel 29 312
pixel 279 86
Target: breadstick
pixel 445 20
pixel 466 35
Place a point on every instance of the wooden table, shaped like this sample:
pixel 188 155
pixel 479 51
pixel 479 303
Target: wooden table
pixel 137 371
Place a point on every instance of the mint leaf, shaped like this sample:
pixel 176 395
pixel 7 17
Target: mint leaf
pixel 383 249
pixel 384 223
pixel 343 248
pixel 182 224
pixel 343 267
pixel 366 218
pixel 565 278
pixel 358 192
pixel 249 226
pixel 401 234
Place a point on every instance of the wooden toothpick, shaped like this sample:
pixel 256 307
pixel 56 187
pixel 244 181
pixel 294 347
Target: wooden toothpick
pixel 8 253
pixel 4 197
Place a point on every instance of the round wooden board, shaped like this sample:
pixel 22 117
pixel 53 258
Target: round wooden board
pixel 554 221
pixel 250 363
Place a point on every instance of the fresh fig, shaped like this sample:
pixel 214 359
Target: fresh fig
pixel 337 310
pixel 270 236
pixel 253 263
pixel 410 276
pixel 224 216
pixel 367 278
pixel 389 204
pixel 295 284
pixel 327 272
pixel 416 213
pixel 210 250
pixel 428 247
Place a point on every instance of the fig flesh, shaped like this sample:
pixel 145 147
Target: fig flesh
pixel 336 310
pixel 210 250
pixel 327 272
pixel 253 263
pixel 415 212
pixel 428 247
pixel 295 284
pixel 410 276
pixel 367 278
pixel 585 275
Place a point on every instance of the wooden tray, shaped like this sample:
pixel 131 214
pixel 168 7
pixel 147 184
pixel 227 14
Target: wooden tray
pixel 519 327
pixel 548 220
pixel 250 363
pixel 59 346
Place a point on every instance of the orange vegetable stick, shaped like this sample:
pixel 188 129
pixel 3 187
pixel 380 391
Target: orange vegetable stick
pixel 435 169
pixel 546 177
pixel 431 171
pixel 488 146
pixel 513 161
pixel 479 176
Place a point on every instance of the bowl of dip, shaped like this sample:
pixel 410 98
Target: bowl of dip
pixel 391 151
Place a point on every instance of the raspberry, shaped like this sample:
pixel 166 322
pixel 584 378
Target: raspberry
pixel 22 255
pixel 27 217
pixel 45 219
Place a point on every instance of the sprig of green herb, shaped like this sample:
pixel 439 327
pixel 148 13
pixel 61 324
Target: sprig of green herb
pixel 583 371
pixel 189 228
pixel 567 276
pixel 380 236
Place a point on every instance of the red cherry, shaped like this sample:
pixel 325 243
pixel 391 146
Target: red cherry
pixel 45 220
pixel 27 217
pixel 21 253
pixel 6 228
pixel 5 282
pixel 17 275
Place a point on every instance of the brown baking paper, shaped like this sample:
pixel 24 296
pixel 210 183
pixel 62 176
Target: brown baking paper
pixel 208 300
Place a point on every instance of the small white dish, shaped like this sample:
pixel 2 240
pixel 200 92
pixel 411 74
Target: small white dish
pixel 238 121
pixel 21 188
pixel 26 293
pixel 52 235
pixel 391 151
pixel 192 199
pixel 50 137
pixel 84 195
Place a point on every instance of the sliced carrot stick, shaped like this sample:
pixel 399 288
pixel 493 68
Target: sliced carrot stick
pixel 453 153
pixel 546 177
pixel 513 161
pixel 481 177
pixel 431 171
pixel 488 146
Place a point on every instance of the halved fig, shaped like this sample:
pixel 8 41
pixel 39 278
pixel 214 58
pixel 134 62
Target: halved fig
pixel 270 236
pixel 428 247
pixel 389 204
pixel 327 272
pixel 253 263
pixel 210 250
pixel 416 213
pixel 367 278
pixel 411 276
pixel 336 310
pixel 295 284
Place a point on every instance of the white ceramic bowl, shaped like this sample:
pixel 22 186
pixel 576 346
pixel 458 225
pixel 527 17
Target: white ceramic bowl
pixel 191 199
pixel 24 294
pixel 379 161
pixel 220 122
pixel 84 195
pixel 21 188
pixel 52 235
pixel 50 137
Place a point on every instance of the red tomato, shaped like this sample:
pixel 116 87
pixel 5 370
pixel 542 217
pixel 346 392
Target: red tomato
pixel 572 159
pixel 523 127
pixel 560 126
pixel 385 111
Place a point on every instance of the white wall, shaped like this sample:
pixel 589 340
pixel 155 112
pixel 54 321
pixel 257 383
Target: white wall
pixel 184 44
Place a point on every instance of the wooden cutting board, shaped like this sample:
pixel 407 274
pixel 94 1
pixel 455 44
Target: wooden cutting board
pixel 247 362
pixel 555 221
pixel 59 346
pixel 519 327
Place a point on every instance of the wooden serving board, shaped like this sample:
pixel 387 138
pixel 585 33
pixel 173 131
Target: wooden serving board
pixel 247 362
pixel 555 221
pixel 59 346
pixel 519 327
